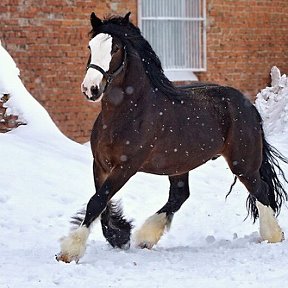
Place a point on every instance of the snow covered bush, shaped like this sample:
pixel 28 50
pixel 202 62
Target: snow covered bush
pixel 272 103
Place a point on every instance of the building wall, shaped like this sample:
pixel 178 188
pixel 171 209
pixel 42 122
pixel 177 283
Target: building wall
pixel 245 38
pixel 48 40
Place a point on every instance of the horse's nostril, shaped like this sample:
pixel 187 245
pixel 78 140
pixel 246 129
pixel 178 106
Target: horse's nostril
pixel 94 90
pixel 83 88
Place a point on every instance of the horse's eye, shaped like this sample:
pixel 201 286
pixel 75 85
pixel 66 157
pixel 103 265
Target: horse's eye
pixel 115 48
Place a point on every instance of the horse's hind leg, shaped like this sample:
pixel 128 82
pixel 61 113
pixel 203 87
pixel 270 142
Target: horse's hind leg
pixel 153 228
pixel 269 228
pixel 116 229
pixel 261 198
pixel 260 205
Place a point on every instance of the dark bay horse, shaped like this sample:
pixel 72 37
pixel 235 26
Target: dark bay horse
pixel 147 124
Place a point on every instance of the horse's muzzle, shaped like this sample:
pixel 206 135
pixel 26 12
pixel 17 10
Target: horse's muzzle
pixel 93 95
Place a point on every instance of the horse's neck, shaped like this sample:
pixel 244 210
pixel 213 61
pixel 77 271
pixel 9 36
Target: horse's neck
pixel 124 98
pixel 136 77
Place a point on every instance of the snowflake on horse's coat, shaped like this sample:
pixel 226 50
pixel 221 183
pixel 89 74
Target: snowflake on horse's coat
pixel 147 124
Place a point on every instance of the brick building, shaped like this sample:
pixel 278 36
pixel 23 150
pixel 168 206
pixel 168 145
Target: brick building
pixel 48 40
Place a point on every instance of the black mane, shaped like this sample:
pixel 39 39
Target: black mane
pixel 131 36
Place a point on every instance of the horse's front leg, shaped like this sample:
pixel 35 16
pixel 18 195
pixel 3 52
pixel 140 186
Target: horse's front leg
pixel 153 228
pixel 73 246
pixel 116 229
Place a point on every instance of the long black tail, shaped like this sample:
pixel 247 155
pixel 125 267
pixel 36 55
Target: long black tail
pixel 270 171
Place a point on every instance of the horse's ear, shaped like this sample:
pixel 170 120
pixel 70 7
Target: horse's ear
pixel 95 21
pixel 126 18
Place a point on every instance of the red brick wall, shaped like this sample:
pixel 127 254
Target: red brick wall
pixel 245 38
pixel 48 40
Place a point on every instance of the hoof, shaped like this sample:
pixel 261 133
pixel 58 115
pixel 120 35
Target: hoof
pixel 126 246
pixel 145 245
pixel 117 238
pixel 73 246
pixel 65 257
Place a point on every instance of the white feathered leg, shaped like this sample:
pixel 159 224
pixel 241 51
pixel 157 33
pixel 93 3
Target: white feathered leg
pixel 73 246
pixel 151 231
pixel 269 228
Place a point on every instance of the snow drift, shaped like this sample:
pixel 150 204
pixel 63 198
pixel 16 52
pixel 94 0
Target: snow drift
pixel 272 103
pixel 21 103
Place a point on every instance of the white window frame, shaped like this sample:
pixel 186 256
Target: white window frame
pixel 184 73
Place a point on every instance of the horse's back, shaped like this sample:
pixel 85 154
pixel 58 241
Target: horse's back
pixel 229 100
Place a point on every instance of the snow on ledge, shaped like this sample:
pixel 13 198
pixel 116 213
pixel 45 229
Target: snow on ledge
pixel 272 103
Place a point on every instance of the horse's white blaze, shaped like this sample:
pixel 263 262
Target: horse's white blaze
pixel 151 231
pixel 100 46
pixel 74 245
pixel 269 228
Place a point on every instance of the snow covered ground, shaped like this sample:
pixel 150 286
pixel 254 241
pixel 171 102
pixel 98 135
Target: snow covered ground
pixel 45 178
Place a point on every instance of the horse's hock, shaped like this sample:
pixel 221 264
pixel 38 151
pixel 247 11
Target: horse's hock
pixel 8 122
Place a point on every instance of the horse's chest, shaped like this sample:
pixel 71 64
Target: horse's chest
pixel 110 152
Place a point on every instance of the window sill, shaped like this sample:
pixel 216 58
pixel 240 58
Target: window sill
pixel 174 75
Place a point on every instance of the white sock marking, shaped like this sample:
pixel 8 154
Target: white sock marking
pixel 269 228
pixel 151 231
pixel 74 245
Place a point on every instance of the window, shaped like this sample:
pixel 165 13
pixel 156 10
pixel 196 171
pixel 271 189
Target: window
pixel 176 31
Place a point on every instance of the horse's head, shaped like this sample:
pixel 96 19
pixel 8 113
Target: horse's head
pixel 106 62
